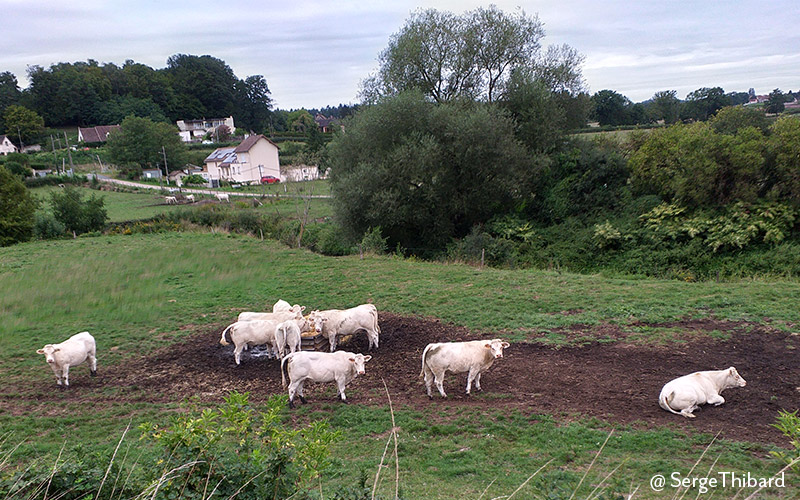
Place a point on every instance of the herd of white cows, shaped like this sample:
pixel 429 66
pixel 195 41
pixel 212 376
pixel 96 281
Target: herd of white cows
pixel 282 329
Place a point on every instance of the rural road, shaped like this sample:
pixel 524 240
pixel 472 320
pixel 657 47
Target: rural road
pixel 209 192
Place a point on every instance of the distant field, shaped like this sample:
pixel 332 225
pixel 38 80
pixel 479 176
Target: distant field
pixel 146 203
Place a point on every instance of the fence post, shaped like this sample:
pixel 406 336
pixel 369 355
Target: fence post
pixel 483 252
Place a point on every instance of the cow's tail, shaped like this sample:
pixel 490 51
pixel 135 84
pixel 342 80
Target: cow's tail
pixel 222 340
pixel 424 356
pixel 664 399
pixel 285 369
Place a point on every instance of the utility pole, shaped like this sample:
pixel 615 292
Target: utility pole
pixel 19 136
pixel 164 152
pixel 55 157
pixel 69 152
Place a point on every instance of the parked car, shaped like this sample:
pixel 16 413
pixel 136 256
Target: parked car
pixel 269 179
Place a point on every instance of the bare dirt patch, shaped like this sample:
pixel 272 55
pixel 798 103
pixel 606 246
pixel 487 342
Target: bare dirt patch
pixel 616 381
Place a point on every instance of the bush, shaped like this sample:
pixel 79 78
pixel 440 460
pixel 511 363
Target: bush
pixel 194 180
pixel 246 454
pixel 331 241
pixel 46 227
pixel 17 207
pixel 75 213
pixel 373 242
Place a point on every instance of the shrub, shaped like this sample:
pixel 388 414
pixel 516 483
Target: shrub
pixel 331 241
pixel 45 227
pixel 75 213
pixel 17 207
pixel 373 242
pixel 193 179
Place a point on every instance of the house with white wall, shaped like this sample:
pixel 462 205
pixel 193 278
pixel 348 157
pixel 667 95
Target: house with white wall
pixel 195 130
pixel 252 159
pixel 6 146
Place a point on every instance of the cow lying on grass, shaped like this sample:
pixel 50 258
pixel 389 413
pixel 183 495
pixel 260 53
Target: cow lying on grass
pixel 474 357
pixel 73 351
pixel 340 367
pixel 685 394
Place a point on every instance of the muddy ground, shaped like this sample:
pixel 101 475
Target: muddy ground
pixel 616 381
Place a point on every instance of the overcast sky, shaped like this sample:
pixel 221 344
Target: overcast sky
pixel 315 53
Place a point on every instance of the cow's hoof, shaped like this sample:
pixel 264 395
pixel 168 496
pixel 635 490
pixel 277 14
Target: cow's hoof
pixel 291 404
pixel 303 400
pixel 93 373
pixel 345 402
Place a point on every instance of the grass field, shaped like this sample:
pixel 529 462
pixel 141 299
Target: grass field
pixel 142 292
pixel 145 203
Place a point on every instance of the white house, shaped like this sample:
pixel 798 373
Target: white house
pixel 297 173
pixel 6 146
pixel 252 159
pixel 195 130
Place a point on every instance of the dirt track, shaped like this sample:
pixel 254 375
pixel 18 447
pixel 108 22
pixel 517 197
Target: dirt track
pixel 616 381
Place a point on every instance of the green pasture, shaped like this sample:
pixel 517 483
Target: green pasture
pixel 141 292
pixel 146 203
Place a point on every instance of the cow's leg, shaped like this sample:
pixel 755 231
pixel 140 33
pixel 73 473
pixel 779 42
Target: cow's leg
pixel 332 342
pixel 470 377
pixel 65 372
pixel 478 381
pixel 716 400
pixel 341 383
pixel 237 353
pixel 59 381
pixel 428 380
pixel 293 389
pixel 300 392
pixel 92 365
pixel 439 379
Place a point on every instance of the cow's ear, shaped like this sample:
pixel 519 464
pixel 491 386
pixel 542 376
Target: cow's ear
pixel 352 360
pixel 731 370
pixel 367 358
pixel 505 345
pixel 302 308
pixel 40 351
pixel 488 346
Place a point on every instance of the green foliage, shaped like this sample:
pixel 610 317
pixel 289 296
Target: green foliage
pixel 703 103
pixel 239 451
pixel 731 119
pixel 75 213
pixel 776 101
pixel 784 143
pixel 23 123
pixel 789 425
pixel 373 242
pixel 426 173
pixel 18 169
pixel 16 209
pixel 46 226
pixel 193 179
pixel 143 142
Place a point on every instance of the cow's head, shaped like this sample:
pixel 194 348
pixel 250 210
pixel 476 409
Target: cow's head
pixel 49 352
pixel 319 322
pixel 734 379
pixel 358 360
pixel 297 308
pixel 497 346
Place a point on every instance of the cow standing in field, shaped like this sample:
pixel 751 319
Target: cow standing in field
pixel 340 367
pixel 474 357
pixel 335 322
pixel 255 332
pixel 190 198
pixel 73 351
pixel 283 306
pixel 287 334
pixel 684 395
pixel 171 200
pixel 223 197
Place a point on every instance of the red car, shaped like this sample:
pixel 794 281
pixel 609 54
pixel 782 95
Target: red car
pixel 269 179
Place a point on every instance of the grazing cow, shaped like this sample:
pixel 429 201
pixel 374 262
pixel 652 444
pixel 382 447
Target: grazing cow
pixel 278 316
pixel 171 200
pixel 474 357
pixel 685 394
pixel 287 334
pixel 73 351
pixel 335 322
pixel 223 197
pixel 283 306
pixel 190 198
pixel 340 367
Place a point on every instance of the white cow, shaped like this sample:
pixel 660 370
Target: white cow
pixel 190 198
pixel 171 200
pixel 73 351
pixel 279 316
pixel 283 306
pixel 340 367
pixel 336 322
pixel 287 334
pixel 474 357
pixel 246 333
pixel 223 197
pixel 685 394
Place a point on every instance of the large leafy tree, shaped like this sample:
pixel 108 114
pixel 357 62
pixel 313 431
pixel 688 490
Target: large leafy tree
pixel 144 142
pixel 9 94
pixel 784 142
pixel 611 108
pixel 701 104
pixel 254 103
pixel 17 207
pixel 76 214
pixel 426 173
pixel 666 106
pixel 203 85
pixel 22 123
pixel 472 56
pixel 68 93
pixel 776 102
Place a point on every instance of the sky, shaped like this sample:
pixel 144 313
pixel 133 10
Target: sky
pixel 315 53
